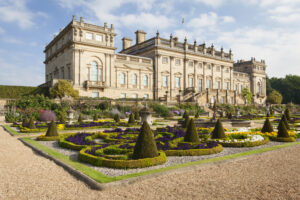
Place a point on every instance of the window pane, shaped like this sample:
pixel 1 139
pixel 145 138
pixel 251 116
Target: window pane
pixel 95 94
pixel 134 79
pixel 145 80
pixel 177 82
pixel 191 80
pixel 165 81
pixel 146 96
pixel 122 78
pixel 99 38
pixel 89 36
pixel 122 95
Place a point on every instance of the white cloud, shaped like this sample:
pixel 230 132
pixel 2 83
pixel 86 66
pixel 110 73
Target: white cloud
pixel 205 20
pixel 1 30
pixel 228 19
pixel 212 3
pixel 16 12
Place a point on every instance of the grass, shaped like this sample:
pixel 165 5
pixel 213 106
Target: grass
pixel 101 178
pixel 10 130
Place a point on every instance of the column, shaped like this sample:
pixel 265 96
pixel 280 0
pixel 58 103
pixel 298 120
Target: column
pixel 204 76
pixel 212 76
pixel 222 77
pixel 171 77
pixel 185 78
pixel 195 75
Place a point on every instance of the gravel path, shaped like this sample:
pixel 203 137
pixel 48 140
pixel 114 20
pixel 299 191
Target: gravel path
pixel 271 175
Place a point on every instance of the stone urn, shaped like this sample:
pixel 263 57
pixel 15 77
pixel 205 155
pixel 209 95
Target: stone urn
pixel 70 116
pixel 146 115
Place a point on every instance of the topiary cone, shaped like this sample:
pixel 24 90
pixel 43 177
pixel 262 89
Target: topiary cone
pixel 287 114
pixel 218 131
pixel 25 122
pixel 117 118
pixel 186 122
pixel 267 127
pixel 137 115
pixel 197 115
pixel 80 119
pixel 283 118
pixel 131 119
pixel 282 131
pixel 52 129
pixel 145 146
pixel 191 133
pixel 185 114
pixel 31 124
pixel 95 118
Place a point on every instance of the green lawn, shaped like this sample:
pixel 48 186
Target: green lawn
pixel 9 129
pixel 101 178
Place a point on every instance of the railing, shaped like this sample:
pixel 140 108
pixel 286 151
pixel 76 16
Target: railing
pixel 95 84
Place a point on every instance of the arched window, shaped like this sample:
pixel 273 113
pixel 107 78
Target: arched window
pixel 122 78
pixel 258 88
pixel 145 80
pixel 134 79
pixel 94 71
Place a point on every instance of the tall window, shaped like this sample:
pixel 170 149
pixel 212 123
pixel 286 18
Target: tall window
pixel 165 81
pixel 69 73
pixel 241 88
pixel 164 60
pixel 146 96
pixel 94 71
pixel 177 82
pixel 236 87
pixel 218 68
pixel 135 96
pixel 145 80
pixel 123 95
pixel 227 86
pixel 177 62
pixel 200 84
pixel 200 66
pixel 122 78
pixel 208 83
pixel 222 99
pixel 218 84
pixel 191 82
pixel 258 88
pixel 134 79
pixel 212 99
pixel 191 64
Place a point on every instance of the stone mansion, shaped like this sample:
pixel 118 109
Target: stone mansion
pixel 156 68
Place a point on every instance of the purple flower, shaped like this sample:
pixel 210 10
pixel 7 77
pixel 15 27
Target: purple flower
pixel 47 115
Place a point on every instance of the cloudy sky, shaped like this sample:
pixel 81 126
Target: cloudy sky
pixel 265 29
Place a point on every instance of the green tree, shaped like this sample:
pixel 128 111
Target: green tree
pixel 52 129
pixel 191 133
pixel 247 95
pixel 274 97
pixel 282 130
pixel 131 119
pixel 63 88
pixel 218 131
pixel 267 126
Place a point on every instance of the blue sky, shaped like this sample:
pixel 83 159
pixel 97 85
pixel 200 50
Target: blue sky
pixel 265 29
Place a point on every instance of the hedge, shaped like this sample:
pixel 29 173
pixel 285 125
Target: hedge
pixel 194 152
pixel 69 145
pixel 283 139
pixel 245 144
pixel 14 92
pixel 121 164
pixel 47 138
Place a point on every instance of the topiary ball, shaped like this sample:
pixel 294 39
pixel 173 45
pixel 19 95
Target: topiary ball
pixel 267 127
pixel 218 131
pixel 191 133
pixel 145 146
pixel 52 129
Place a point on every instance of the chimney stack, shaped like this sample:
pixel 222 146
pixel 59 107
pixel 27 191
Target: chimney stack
pixel 126 42
pixel 140 36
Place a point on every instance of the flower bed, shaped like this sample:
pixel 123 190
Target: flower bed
pixel 283 139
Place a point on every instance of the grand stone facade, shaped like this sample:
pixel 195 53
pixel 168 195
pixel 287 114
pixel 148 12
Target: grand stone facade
pixel 157 68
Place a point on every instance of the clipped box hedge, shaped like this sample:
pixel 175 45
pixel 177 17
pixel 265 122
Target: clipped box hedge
pixel 47 138
pixel 283 139
pixel 69 145
pixel 194 152
pixel 121 164
pixel 245 144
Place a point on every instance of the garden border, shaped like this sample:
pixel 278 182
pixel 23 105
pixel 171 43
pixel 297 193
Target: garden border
pixel 98 181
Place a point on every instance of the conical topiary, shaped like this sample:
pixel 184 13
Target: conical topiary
pixel 197 115
pixel 229 116
pixel 145 146
pixel 137 115
pixel 186 122
pixel 52 129
pixel 267 127
pixel 282 131
pixel 25 122
pixel 31 124
pixel 287 114
pixel 191 133
pixel 80 119
pixel 95 117
pixel 117 118
pixel 218 131
pixel 283 118
pixel 185 114
pixel 131 119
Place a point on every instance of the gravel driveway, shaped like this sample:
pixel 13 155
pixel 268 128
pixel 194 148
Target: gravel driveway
pixel 271 175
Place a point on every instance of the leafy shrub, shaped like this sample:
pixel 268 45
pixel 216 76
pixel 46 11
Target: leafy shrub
pixel 160 110
pixel 95 117
pixel 47 115
pixel 137 115
pixel 287 114
pixel 191 133
pixel 145 146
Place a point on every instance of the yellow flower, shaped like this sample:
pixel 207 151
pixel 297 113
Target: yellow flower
pixel 60 126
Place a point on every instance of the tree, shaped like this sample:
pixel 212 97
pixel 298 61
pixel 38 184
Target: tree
pixel 63 88
pixel 218 132
pixel 145 146
pixel 287 114
pixel 131 119
pixel 247 95
pixel 103 105
pixel 95 117
pixel 274 97
pixel 52 129
pixel 191 133
pixel 282 130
